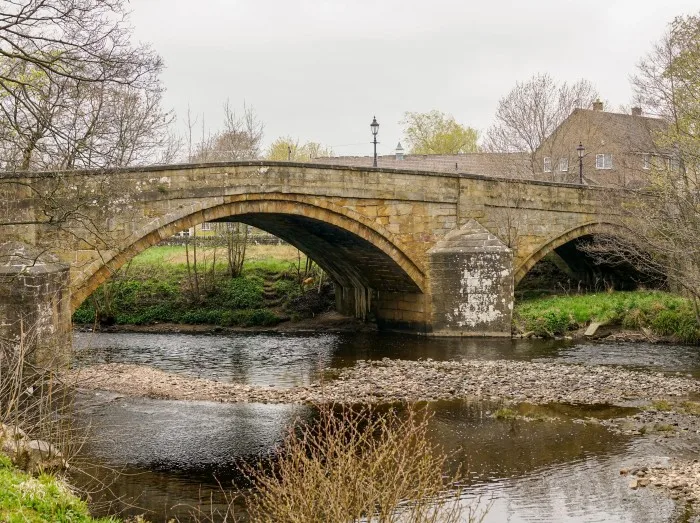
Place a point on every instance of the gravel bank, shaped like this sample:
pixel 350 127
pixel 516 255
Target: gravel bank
pixel 401 380
pixel 680 480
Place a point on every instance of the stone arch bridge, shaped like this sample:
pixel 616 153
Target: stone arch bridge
pixel 434 253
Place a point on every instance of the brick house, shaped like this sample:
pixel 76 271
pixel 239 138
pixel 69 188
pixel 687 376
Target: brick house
pixel 618 148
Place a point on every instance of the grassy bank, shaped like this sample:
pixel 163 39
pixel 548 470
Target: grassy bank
pixel 159 287
pixel 662 313
pixel 27 499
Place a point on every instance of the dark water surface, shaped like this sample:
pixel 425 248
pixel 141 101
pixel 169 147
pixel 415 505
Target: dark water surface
pixel 171 451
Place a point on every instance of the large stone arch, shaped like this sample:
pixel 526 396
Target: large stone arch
pixel 357 252
pixel 591 228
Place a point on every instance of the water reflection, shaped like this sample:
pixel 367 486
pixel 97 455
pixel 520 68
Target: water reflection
pixel 172 451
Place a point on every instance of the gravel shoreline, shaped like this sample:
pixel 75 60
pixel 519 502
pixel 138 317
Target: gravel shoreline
pixel 402 380
pixel 680 480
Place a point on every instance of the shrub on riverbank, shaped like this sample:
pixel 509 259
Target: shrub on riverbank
pixel 662 313
pixel 141 300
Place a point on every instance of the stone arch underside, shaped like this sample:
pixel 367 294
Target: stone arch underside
pixel 587 230
pixel 356 255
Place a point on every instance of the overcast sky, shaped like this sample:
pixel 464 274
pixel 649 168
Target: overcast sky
pixel 319 71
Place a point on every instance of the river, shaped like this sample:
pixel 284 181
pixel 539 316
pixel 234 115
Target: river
pixel 171 454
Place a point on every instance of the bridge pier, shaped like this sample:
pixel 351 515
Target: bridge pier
pixel 35 310
pixel 471 284
pixel 470 292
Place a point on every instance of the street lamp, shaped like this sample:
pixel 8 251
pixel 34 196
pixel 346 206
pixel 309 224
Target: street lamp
pixel 375 129
pixel 580 149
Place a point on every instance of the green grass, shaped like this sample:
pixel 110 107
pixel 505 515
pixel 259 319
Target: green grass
pixel 663 313
pixel 662 405
pixel 25 499
pixel 691 407
pixel 505 413
pixel 155 288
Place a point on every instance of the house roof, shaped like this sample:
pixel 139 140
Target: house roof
pixel 632 132
pixel 507 165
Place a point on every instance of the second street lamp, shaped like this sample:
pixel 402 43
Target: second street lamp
pixel 375 129
pixel 580 149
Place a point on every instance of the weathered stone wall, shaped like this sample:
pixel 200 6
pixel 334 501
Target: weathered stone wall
pixel 35 311
pixel 371 229
pixel 471 284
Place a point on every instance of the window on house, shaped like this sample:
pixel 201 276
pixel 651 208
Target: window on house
pixel 603 161
pixel 563 164
pixel 646 162
pixel 206 226
pixel 547 164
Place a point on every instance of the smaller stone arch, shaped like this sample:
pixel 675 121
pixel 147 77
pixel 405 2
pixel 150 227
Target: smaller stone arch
pixel 591 228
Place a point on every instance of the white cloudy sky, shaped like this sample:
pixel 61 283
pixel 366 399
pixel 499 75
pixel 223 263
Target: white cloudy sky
pixel 319 70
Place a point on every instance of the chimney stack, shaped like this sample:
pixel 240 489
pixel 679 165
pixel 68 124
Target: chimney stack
pixel 597 105
pixel 636 111
pixel 399 152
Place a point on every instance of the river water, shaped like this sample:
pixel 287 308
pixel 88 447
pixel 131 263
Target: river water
pixel 173 454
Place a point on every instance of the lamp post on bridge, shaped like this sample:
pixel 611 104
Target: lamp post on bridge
pixel 580 149
pixel 375 129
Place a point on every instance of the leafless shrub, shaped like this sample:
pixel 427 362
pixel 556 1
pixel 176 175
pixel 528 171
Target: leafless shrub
pixel 358 465
pixel 33 396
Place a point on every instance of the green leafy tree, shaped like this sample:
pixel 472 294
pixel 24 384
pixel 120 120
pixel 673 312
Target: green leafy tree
pixel 287 148
pixel 438 133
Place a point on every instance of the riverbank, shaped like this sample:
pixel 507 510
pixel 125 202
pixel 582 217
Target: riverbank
pixel 645 315
pixel 44 498
pixel 330 321
pixel 164 286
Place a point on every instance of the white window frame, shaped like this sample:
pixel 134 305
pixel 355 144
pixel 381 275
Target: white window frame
pixel 646 161
pixel 547 166
pixel 603 161
pixel 206 226
pixel 564 164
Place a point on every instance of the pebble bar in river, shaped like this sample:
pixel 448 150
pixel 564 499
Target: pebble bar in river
pixel 402 380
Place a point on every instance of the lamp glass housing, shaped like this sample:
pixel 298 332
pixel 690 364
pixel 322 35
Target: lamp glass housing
pixel 374 126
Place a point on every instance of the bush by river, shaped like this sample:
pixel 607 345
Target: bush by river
pixel 660 313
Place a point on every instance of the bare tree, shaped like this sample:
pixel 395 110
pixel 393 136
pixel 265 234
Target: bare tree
pixel 239 139
pixel 64 123
pixel 532 111
pixel 662 236
pixel 74 91
pixel 87 40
